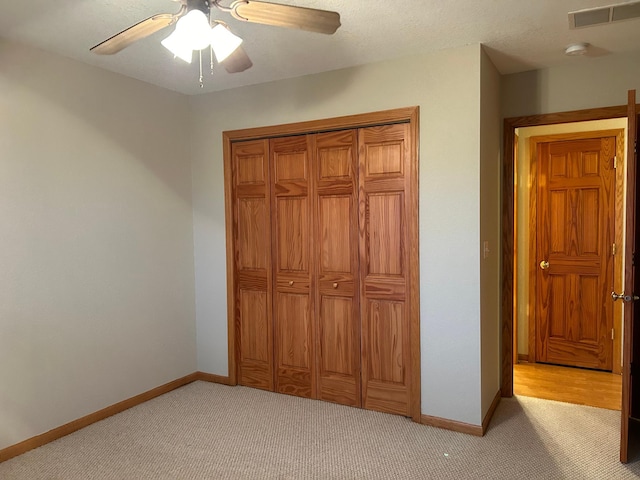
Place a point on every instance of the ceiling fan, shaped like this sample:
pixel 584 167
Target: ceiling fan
pixel 215 33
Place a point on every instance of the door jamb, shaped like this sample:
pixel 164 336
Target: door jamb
pixel 510 125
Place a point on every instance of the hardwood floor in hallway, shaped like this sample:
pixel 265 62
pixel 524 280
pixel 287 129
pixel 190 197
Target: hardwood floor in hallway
pixel 566 384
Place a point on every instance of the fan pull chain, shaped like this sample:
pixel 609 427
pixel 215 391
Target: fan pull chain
pixel 210 47
pixel 201 80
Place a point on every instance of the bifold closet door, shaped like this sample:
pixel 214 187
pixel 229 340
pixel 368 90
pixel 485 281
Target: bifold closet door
pixel 336 257
pixel 253 278
pixel 322 276
pixel 384 164
pixel 294 302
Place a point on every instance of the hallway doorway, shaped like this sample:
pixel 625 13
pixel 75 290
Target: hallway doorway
pixel 518 332
pixel 631 243
pixel 568 224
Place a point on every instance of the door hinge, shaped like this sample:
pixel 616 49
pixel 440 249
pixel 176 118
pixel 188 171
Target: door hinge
pixel 615 162
pixel 612 334
pixel 614 249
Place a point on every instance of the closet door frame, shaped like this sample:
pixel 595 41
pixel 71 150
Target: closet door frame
pixel 409 115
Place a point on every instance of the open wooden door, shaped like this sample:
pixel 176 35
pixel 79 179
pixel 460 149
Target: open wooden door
pixel 631 346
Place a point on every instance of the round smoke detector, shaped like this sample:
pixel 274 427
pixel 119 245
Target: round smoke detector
pixel 576 49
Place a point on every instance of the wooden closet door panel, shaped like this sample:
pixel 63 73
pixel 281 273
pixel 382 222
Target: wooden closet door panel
pixel 253 278
pixel 254 324
pixel 294 337
pixel 294 303
pixel 337 258
pixel 292 233
pixel 384 193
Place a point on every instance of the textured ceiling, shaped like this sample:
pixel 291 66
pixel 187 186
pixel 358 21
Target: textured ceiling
pixel 520 35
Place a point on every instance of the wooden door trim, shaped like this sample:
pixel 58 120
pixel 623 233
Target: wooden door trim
pixel 385 117
pixel 413 298
pixel 509 128
pixel 232 348
pixel 408 115
pixel 533 216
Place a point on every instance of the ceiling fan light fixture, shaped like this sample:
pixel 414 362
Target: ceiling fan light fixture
pixel 176 44
pixel 223 42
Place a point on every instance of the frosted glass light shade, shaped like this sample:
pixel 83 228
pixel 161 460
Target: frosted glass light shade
pixel 195 29
pixel 177 44
pixel 193 32
pixel 223 42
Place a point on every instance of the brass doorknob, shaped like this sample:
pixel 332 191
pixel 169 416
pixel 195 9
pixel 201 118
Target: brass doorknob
pixel 544 264
pixel 335 285
pixel 624 298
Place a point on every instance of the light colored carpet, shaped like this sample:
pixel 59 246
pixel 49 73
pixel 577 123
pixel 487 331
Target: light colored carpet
pixel 210 431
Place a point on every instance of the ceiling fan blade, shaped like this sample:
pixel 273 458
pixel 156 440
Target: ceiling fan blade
pixel 237 62
pixel 138 31
pixel 311 19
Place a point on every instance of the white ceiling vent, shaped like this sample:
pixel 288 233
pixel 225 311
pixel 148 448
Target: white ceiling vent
pixel 603 15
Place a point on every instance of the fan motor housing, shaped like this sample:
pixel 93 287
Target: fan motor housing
pixel 202 5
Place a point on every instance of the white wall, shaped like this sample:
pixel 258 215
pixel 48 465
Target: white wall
pixel 490 217
pixel 96 252
pixel 586 83
pixel 446 87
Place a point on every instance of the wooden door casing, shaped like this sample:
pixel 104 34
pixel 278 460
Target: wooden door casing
pixel 384 195
pixel 575 235
pixel 252 258
pixel 293 265
pixel 337 262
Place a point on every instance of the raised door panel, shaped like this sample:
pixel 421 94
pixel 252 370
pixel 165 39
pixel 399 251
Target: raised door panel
pixel 384 193
pixel 292 234
pixel 253 276
pixel 255 352
pixel 336 316
pixel 336 256
pixel 294 339
pixel 294 308
pixel 250 168
pixel 253 308
pixel 384 233
pixel 385 326
pixel 336 248
pixel 251 228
